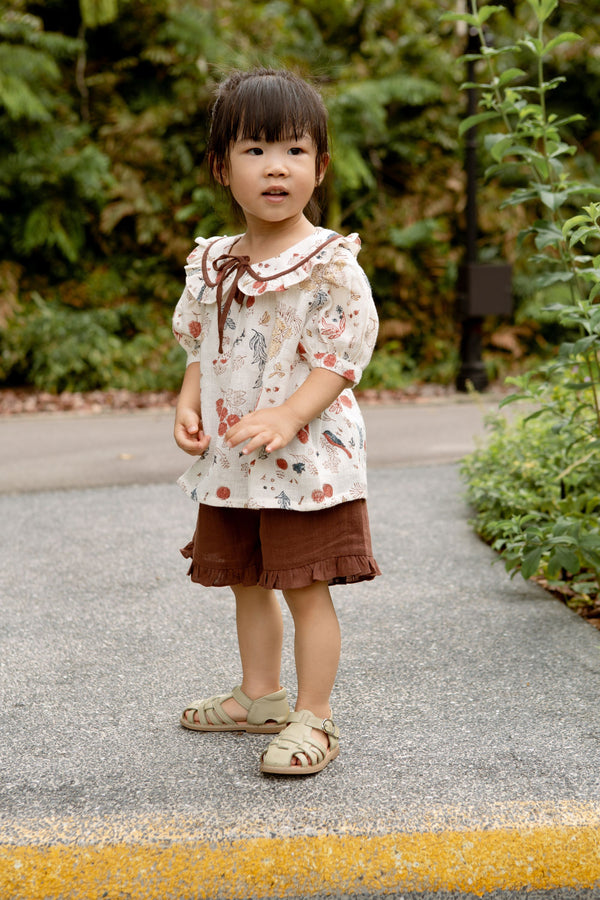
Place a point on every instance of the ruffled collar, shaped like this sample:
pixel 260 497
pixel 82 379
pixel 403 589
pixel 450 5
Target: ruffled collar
pixel 238 278
pixel 297 256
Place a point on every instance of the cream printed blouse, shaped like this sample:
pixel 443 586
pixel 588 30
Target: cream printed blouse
pixel 258 330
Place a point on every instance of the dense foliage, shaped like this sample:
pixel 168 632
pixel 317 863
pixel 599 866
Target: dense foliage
pixel 536 485
pixel 103 124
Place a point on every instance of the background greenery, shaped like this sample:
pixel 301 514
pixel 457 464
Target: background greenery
pixel 103 125
pixel 535 486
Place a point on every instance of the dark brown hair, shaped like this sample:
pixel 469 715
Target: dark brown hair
pixel 269 105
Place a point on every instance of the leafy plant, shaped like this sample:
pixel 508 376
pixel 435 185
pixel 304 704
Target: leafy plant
pixel 106 120
pixel 51 179
pixel 558 534
pixel 63 349
pixel 536 504
pixel 389 369
pixel 104 111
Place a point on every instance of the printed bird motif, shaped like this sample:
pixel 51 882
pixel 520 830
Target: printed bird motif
pixel 334 326
pixel 335 442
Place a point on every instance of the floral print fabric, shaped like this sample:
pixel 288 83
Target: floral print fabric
pixel 318 315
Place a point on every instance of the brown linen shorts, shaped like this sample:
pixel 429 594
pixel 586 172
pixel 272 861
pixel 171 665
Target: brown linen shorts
pixel 281 549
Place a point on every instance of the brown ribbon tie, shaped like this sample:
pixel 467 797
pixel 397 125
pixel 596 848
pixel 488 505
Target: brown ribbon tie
pixel 228 264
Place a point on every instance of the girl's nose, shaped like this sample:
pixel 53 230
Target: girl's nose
pixel 275 164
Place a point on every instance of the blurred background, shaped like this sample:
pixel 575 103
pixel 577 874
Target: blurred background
pixel 103 125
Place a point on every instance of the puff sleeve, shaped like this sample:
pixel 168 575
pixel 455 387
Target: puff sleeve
pixel 341 330
pixel 187 318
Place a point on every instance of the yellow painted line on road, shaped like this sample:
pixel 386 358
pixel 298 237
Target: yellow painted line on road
pixel 469 861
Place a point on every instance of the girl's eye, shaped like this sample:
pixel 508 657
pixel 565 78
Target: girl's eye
pixel 255 151
pixel 296 151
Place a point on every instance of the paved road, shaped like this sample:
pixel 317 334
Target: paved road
pixel 55 451
pixel 468 702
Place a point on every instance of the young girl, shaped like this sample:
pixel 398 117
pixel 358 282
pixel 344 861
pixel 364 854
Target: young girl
pixel 278 324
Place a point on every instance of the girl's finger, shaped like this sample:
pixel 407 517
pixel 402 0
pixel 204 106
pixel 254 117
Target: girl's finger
pixel 261 439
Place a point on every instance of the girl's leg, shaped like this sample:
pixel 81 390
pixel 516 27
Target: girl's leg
pixel 260 638
pixel 317 648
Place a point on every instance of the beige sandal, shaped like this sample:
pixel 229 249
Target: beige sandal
pixel 296 741
pixel 266 715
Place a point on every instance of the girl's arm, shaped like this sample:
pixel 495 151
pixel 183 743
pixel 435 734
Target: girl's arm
pixel 275 427
pixel 188 431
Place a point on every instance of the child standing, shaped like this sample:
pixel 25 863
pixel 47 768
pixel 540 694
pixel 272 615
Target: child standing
pixel 278 323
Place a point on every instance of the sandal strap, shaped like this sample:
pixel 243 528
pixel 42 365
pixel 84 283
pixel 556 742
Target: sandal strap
pixel 242 698
pixel 304 716
pixel 210 711
pixel 272 707
pixel 296 741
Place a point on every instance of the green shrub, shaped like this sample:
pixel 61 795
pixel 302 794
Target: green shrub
pixel 536 487
pixel 392 368
pixel 389 369
pixel 57 348
pixel 536 493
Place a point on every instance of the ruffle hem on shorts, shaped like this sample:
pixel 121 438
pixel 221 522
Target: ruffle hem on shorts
pixel 337 570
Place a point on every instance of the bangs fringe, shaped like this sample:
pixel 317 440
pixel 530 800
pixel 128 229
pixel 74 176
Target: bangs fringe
pixel 267 105
pixel 274 111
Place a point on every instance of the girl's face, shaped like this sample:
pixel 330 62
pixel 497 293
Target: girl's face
pixel 272 181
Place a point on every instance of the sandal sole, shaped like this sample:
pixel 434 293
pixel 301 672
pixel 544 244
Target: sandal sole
pixel 240 727
pixel 301 770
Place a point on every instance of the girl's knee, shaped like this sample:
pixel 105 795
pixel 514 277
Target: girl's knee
pixel 254 593
pixel 304 599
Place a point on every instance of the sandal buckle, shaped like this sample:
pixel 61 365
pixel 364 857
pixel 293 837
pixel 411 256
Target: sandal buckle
pixel 328 726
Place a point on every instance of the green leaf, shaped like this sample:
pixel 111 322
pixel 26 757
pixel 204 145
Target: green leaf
pixel 510 75
pixel 564 38
pixel 580 235
pixel 522 195
pixel 502 148
pixel 482 15
pixel 568 120
pixel 580 385
pixel 459 17
pixel 535 415
pixel 547 234
pixel 545 279
pixel 552 199
pixel 472 121
pixel 532 44
pixel 584 344
pixel 531 563
pixel 572 222
pixel 412 235
pixel 543 8
pixel 562 558
pixel 486 11
pixel 98 12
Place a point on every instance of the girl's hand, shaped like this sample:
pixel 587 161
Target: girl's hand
pixel 275 427
pixel 188 432
pixel 272 428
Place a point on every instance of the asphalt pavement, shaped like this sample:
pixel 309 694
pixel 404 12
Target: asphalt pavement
pixel 468 703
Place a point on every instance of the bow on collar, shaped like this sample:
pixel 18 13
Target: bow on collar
pixel 227 265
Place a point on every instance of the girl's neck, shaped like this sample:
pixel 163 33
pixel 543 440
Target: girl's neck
pixel 264 240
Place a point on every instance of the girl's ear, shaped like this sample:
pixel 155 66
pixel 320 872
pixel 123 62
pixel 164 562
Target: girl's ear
pixel 323 167
pixel 218 170
pixel 222 176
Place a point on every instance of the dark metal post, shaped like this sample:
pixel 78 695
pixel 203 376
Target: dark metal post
pixel 471 153
pixel 472 370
